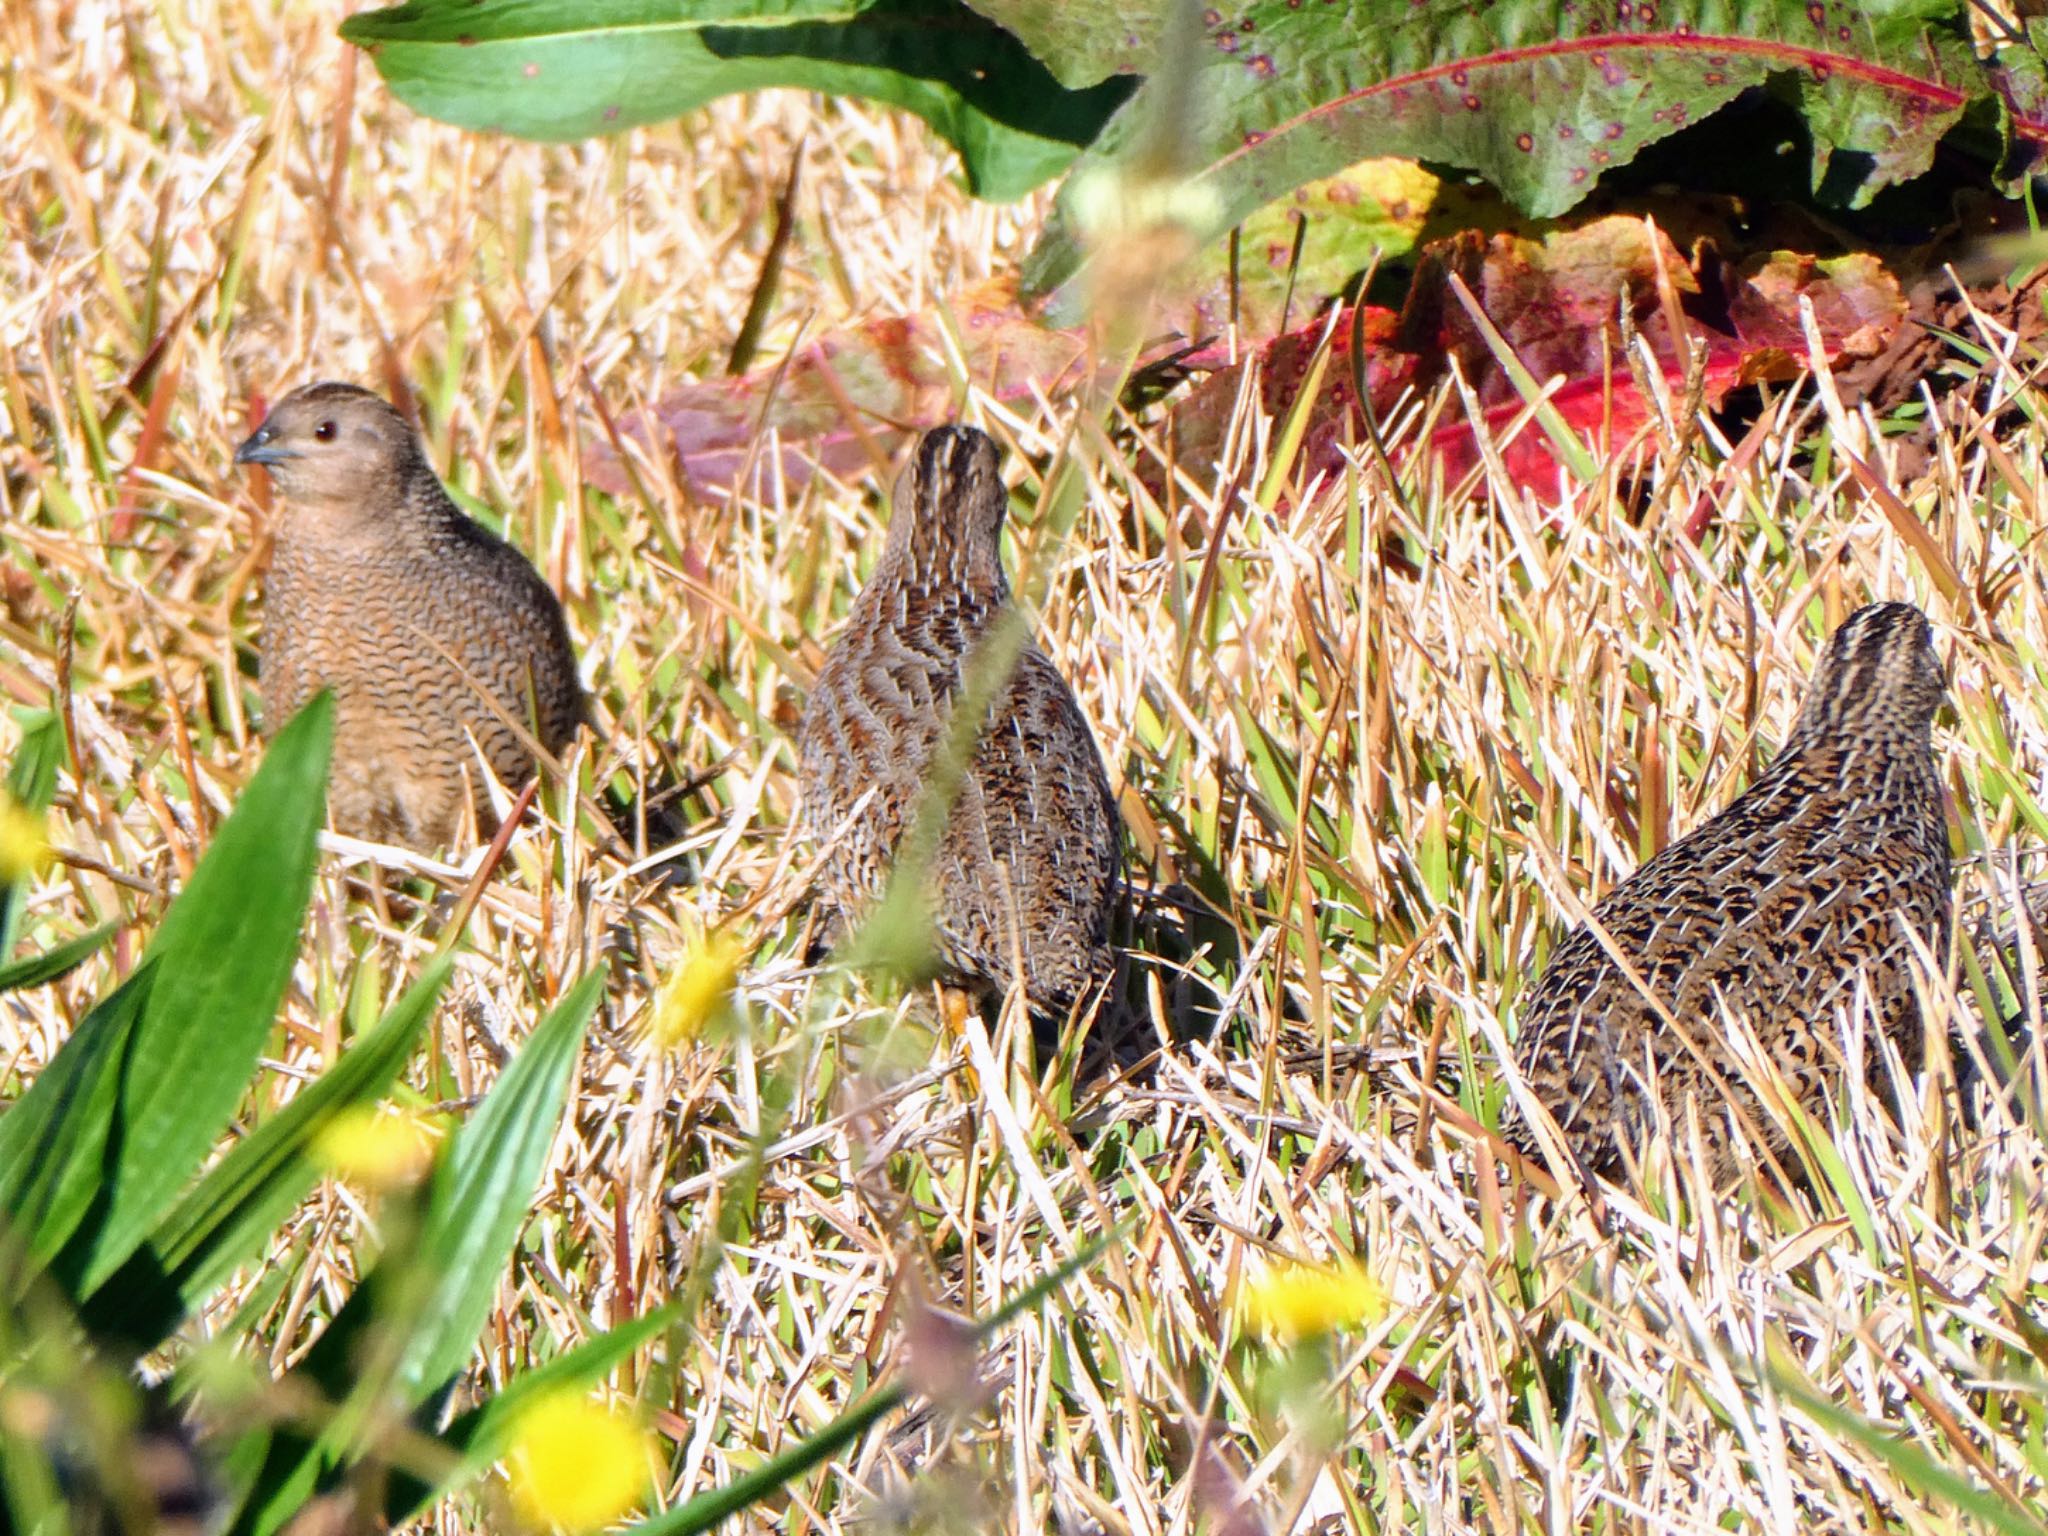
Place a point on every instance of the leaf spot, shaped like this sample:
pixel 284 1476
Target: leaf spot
pixel 1261 64
pixel 1471 102
pixel 531 71
pixel 1525 142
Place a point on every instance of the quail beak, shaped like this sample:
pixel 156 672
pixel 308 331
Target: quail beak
pixel 257 448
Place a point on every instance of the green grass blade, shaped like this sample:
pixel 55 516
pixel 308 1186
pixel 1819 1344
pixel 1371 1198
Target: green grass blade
pixel 1928 1478
pixel 483 1189
pixel 714 1505
pixel 235 1207
pixel 35 970
pixel 222 955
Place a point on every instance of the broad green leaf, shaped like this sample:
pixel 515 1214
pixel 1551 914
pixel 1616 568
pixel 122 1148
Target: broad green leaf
pixel 35 970
pixel 564 69
pixel 1541 97
pixel 54 1138
pixel 240 1201
pixel 221 959
pixel 425 1314
pixel 483 1189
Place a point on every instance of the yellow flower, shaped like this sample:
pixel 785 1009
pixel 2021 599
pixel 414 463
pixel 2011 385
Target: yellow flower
pixel 574 1464
pixel 698 990
pixel 24 850
pixel 377 1149
pixel 1291 1302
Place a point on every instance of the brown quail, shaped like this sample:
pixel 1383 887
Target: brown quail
pixel 1026 864
pixel 1821 876
pixel 432 632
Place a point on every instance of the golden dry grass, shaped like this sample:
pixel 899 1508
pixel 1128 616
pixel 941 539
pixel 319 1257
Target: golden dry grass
pixel 1391 780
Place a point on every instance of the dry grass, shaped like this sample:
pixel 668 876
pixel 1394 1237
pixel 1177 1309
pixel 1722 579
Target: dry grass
pixel 1392 780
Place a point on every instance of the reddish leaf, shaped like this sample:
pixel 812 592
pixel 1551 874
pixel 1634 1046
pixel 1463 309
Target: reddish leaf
pixel 1556 300
pixel 845 401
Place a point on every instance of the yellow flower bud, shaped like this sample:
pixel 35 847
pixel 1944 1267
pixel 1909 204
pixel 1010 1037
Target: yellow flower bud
pixel 698 990
pixel 1291 1302
pixel 24 849
pixel 377 1149
pixel 574 1464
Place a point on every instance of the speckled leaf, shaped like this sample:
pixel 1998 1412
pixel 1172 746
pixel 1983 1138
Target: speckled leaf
pixel 1386 206
pixel 564 69
pixel 1083 41
pixel 1541 98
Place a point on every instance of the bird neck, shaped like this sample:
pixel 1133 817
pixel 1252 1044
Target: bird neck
pixel 1871 748
pixel 416 512
pixel 942 564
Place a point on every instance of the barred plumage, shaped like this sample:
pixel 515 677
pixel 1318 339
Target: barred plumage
pixel 1818 877
pixel 430 630
pixel 1026 865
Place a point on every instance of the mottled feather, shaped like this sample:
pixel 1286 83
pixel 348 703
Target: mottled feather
pixel 1820 876
pixel 1029 856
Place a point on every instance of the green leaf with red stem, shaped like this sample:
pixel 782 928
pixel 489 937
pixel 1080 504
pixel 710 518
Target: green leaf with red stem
pixel 1543 98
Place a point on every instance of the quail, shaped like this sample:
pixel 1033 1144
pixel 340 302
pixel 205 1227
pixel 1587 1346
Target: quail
pixel 442 646
pixel 1024 868
pixel 1814 885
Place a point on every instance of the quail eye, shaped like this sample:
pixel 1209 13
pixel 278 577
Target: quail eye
pixel 325 431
